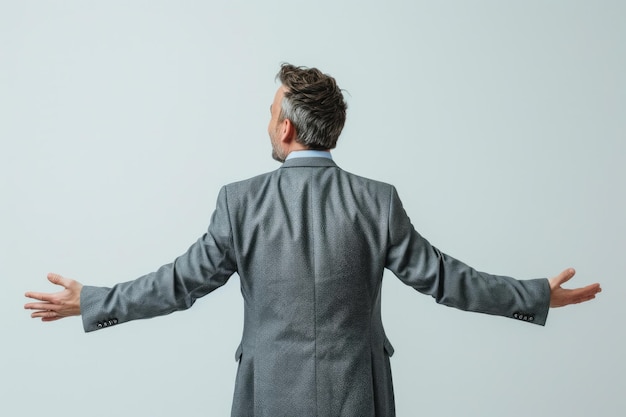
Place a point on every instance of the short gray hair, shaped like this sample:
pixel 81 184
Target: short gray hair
pixel 314 104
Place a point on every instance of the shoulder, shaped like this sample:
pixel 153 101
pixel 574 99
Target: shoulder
pixel 368 183
pixel 249 183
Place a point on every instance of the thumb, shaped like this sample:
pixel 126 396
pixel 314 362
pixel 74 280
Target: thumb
pixel 57 279
pixel 562 278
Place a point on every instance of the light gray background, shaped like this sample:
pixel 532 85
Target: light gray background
pixel 500 122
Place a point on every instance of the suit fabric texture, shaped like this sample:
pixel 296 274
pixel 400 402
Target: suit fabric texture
pixel 310 242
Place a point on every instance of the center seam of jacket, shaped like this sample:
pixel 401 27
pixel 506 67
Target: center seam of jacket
pixel 312 227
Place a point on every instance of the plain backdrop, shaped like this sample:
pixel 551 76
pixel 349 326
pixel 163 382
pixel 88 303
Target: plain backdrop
pixel 501 123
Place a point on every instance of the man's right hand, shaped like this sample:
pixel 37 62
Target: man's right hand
pixel 55 306
pixel 560 297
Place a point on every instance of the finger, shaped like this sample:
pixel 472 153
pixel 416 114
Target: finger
pixel 51 318
pixel 588 291
pixel 564 276
pixel 580 295
pixel 42 306
pixel 582 299
pixel 45 314
pixel 41 296
pixel 58 280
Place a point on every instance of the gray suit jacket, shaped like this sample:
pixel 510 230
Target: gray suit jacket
pixel 310 243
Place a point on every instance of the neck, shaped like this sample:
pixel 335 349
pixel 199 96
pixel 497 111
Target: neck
pixel 295 147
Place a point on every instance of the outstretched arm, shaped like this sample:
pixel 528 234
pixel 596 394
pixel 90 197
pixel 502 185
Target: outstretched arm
pixel 560 297
pixel 55 306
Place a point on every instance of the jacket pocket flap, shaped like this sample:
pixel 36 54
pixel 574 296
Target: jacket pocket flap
pixel 238 353
pixel 388 347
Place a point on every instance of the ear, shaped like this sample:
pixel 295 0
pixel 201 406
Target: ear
pixel 287 132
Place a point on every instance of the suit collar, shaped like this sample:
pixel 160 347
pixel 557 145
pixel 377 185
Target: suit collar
pixel 308 162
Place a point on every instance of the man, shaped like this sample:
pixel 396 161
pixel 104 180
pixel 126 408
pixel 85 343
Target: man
pixel 310 243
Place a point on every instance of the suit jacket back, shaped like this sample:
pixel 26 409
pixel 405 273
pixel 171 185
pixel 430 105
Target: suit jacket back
pixel 311 244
